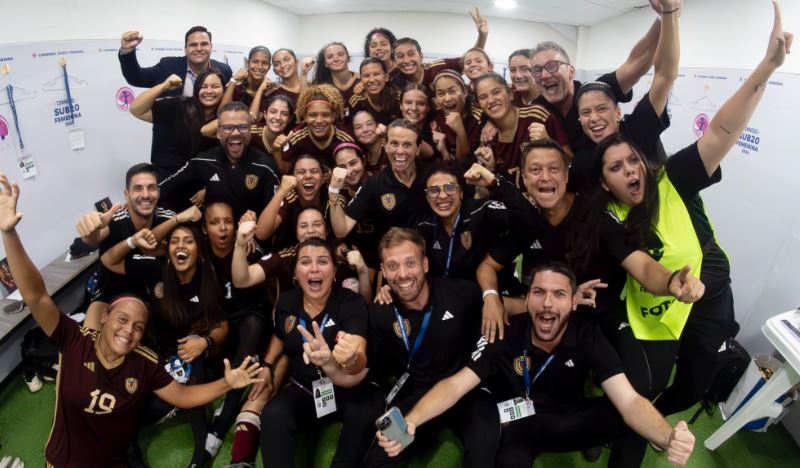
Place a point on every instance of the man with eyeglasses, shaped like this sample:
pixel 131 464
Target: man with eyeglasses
pixel 555 76
pixel 423 336
pixel 392 197
pixel 235 172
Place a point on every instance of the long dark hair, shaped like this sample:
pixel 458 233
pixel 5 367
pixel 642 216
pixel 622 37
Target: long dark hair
pixel 193 112
pixel 210 294
pixel 584 240
pixel 383 32
pixel 322 74
pixel 386 96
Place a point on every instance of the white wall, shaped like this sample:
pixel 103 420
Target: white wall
pixel 439 34
pixel 755 207
pixel 249 22
pixel 714 34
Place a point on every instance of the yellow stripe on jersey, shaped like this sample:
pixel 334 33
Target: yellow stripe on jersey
pixel 534 111
pixel 356 98
pixel 288 252
pixel 476 112
pixel 147 353
pixel 344 136
pixel 302 133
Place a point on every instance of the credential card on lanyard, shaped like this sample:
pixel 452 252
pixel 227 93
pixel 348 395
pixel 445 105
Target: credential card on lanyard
pixel 514 409
pixel 324 397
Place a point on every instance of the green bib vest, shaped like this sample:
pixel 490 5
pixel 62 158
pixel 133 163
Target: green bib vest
pixel 663 317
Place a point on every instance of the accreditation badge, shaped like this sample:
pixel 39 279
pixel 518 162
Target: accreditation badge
pixel 324 397
pixel 515 408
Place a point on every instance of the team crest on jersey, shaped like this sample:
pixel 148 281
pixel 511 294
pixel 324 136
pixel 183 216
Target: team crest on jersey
pixel 250 181
pixel 518 364
pixel 158 291
pixel 388 201
pixel 131 384
pixel 396 327
pixel 289 324
pixel 466 239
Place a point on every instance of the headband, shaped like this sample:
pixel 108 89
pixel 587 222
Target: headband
pixel 314 101
pixel 450 74
pixel 128 298
pixel 596 86
pixel 346 145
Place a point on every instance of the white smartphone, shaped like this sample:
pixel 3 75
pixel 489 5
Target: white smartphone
pixel 394 426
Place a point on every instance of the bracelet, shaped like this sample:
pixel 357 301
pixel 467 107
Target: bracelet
pixel 489 292
pixel 333 190
pixel 672 277
pixel 269 366
pixel 351 364
pixel 670 12
pixel 130 243
pixel 210 342
pixel 235 81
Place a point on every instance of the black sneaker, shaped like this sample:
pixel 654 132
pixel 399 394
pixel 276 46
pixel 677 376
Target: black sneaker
pixel 591 455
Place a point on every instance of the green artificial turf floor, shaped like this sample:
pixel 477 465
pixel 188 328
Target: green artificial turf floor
pixel 25 421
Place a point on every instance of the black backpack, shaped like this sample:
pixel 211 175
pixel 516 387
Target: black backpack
pixel 736 362
pixel 39 354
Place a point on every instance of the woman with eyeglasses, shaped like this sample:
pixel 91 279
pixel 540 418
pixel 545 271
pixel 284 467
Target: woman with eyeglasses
pixel 177 121
pixel 458 232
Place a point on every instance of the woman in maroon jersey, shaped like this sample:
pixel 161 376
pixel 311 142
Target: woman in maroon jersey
pixel 102 373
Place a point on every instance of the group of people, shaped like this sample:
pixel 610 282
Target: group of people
pixel 422 236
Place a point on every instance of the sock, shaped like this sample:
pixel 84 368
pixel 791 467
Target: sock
pixel 245 437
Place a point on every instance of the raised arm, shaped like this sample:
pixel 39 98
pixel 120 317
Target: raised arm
pixel 29 280
pixel 142 106
pixel 340 222
pixel 728 124
pixel 667 56
pixel 189 215
pixel 269 220
pixel 482 25
pixel 659 281
pixel 640 59
pixel 244 275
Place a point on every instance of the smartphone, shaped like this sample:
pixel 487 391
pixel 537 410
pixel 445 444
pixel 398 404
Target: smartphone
pixel 394 426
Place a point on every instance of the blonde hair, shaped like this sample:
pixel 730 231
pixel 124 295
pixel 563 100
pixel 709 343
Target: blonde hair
pixel 320 92
pixel 397 235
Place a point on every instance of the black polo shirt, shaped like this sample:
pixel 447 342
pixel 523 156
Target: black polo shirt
pixel 453 328
pixel 643 126
pixel 346 311
pixel 120 228
pixel 481 223
pixel 387 201
pixel 570 122
pixel 583 348
pixel 247 185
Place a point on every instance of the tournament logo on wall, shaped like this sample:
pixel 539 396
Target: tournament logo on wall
pixel 3 128
pixel 700 124
pixel 749 140
pixel 66 112
pixel 124 98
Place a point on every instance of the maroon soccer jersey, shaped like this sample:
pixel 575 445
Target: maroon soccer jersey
pixel 385 116
pixel 301 142
pixel 98 403
pixel 507 152
pixel 431 69
pixel 472 126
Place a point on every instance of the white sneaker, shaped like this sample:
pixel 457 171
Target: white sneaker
pixel 34 384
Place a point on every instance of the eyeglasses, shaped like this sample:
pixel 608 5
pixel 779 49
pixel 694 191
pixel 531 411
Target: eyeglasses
pixel 449 188
pixel 551 66
pixel 228 129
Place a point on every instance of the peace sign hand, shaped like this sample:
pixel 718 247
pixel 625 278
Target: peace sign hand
pixel 315 348
pixel 480 22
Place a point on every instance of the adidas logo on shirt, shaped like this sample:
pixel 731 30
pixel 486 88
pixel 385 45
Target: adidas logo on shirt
pixel 214 178
pixel 89 365
pixel 569 363
pixel 536 245
pixel 623 325
pixel 447 315
pixel 330 323
pixel 194 299
pixel 436 245
pixel 723 347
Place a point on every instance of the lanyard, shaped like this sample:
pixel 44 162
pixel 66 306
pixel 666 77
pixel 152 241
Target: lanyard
pixel 418 342
pixel 450 248
pixel 69 95
pixel 10 94
pixel 526 373
pixel 321 329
